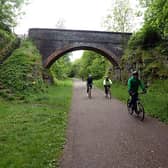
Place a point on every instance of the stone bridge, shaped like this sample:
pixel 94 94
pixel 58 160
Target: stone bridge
pixel 54 43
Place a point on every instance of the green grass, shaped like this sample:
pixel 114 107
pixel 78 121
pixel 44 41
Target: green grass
pixel 33 133
pixel 155 101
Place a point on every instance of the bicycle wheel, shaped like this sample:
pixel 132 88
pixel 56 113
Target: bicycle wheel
pixel 130 110
pixel 140 111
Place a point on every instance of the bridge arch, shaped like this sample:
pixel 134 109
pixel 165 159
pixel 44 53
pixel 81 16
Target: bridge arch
pixel 53 43
pixel 111 56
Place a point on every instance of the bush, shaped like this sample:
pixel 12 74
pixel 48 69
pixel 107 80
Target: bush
pixel 147 37
pixel 21 72
pixel 8 43
pixel 135 40
pixel 5 38
pixel 151 36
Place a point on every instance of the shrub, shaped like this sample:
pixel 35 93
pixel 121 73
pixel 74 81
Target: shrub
pixel 21 72
pixel 151 36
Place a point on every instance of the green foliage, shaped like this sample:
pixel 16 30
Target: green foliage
pixel 135 40
pixel 156 100
pixel 90 63
pixel 157 16
pixel 93 63
pixel 151 37
pixel 21 72
pixel 155 70
pixel 5 38
pixel 61 69
pixel 152 62
pixel 76 65
pixel 9 11
pixel 147 37
pixel 98 67
pixel 86 62
pixel 33 133
pixel 148 48
pixel 8 43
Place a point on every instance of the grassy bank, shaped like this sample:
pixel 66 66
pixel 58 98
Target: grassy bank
pixel 33 133
pixel 155 101
pixel 20 74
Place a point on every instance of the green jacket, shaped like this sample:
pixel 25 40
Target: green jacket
pixel 133 84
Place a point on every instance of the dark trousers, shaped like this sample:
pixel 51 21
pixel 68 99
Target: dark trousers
pixel 106 89
pixel 89 85
pixel 134 98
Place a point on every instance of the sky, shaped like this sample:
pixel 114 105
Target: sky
pixel 77 14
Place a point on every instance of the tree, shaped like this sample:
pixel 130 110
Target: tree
pixel 157 16
pixel 119 17
pixel 93 63
pixel 148 47
pixel 140 9
pixel 145 3
pixel 76 65
pixel 98 67
pixel 60 23
pixel 61 69
pixel 9 11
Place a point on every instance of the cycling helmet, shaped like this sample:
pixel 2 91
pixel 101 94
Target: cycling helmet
pixel 135 72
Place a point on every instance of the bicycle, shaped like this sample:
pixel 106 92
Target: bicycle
pixel 108 95
pixel 138 108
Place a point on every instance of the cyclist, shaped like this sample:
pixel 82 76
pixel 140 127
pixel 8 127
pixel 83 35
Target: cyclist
pixel 133 84
pixel 107 84
pixel 89 82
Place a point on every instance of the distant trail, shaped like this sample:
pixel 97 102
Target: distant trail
pixel 101 134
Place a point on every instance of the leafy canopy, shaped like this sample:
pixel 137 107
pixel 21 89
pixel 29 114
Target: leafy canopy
pixel 9 11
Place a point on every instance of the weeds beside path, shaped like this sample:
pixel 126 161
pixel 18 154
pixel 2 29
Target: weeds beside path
pixel 33 133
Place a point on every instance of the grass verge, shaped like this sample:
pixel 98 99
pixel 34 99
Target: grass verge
pixel 155 101
pixel 33 133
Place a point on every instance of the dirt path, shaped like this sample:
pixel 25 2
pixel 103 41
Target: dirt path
pixel 101 134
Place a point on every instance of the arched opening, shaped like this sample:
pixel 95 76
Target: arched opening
pixel 110 55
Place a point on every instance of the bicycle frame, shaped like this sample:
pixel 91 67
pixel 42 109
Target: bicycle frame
pixel 137 108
